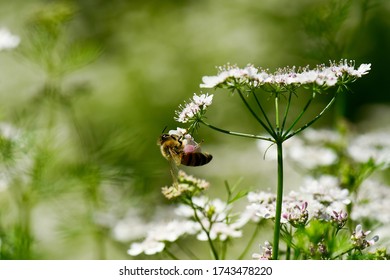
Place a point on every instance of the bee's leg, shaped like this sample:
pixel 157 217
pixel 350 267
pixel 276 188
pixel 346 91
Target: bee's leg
pixel 174 172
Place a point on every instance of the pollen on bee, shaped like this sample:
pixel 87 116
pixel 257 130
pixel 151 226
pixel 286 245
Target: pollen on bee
pixel 189 149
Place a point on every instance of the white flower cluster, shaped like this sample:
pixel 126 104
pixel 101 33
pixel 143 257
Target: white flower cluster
pixel 316 148
pixel 326 190
pixel 373 146
pixel 195 108
pixel 186 184
pixel 372 202
pixel 159 234
pixel 8 40
pixel 317 198
pixel 214 215
pixel 322 75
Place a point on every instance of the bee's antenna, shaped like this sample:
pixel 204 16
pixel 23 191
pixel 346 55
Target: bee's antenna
pixel 164 129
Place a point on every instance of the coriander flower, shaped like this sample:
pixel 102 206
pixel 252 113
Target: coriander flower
pixel 130 227
pixel 182 132
pixel 215 210
pixel 148 247
pixel 362 70
pixel 297 215
pixel 220 230
pixel 262 204
pixel 195 109
pixel 159 234
pixel 213 215
pixel 308 155
pixel 374 146
pixel 359 240
pixel 325 190
pixel 187 184
pixel 266 252
pixel 231 74
pixel 372 202
pixel 8 40
pixel 339 219
pixel 325 76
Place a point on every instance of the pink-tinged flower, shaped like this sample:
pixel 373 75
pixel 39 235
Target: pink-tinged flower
pixel 339 219
pixel 266 252
pixel 359 240
pixel 297 215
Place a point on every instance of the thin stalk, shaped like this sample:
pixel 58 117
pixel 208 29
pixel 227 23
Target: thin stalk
pixel 263 112
pixel 25 235
pixel 268 129
pixel 298 118
pixel 187 251
pixel 212 247
pixel 170 254
pixel 288 250
pixel 249 245
pixel 277 124
pixel 224 249
pixel 279 200
pixel 312 121
pixel 237 133
pixel 342 253
pixel 286 111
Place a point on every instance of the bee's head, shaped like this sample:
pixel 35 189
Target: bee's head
pixel 166 137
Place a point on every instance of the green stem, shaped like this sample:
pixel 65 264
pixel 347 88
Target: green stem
pixel 277 114
pixel 343 253
pixel 170 254
pixel 298 118
pixel 224 249
pixel 263 112
pixel 24 249
pixel 249 245
pixel 268 129
pixel 288 243
pixel 237 133
pixel 279 200
pixel 287 110
pixel 312 121
pixel 191 255
pixel 212 247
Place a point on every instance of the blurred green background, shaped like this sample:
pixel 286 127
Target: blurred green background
pixel 94 115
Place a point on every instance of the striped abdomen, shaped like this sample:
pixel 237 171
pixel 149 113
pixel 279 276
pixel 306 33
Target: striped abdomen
pixel 196 159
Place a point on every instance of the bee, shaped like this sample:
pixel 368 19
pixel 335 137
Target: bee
pixel 182 149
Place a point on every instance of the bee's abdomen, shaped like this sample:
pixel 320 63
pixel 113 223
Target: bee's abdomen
pixel 196 159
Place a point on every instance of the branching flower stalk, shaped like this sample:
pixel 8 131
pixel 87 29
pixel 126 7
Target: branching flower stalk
pixel 282 85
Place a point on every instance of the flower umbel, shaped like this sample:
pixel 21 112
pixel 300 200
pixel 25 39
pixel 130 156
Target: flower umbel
pixel 297 215
pixel 321 75
pixel 187 184
pixel 195 109
pixel 339 219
